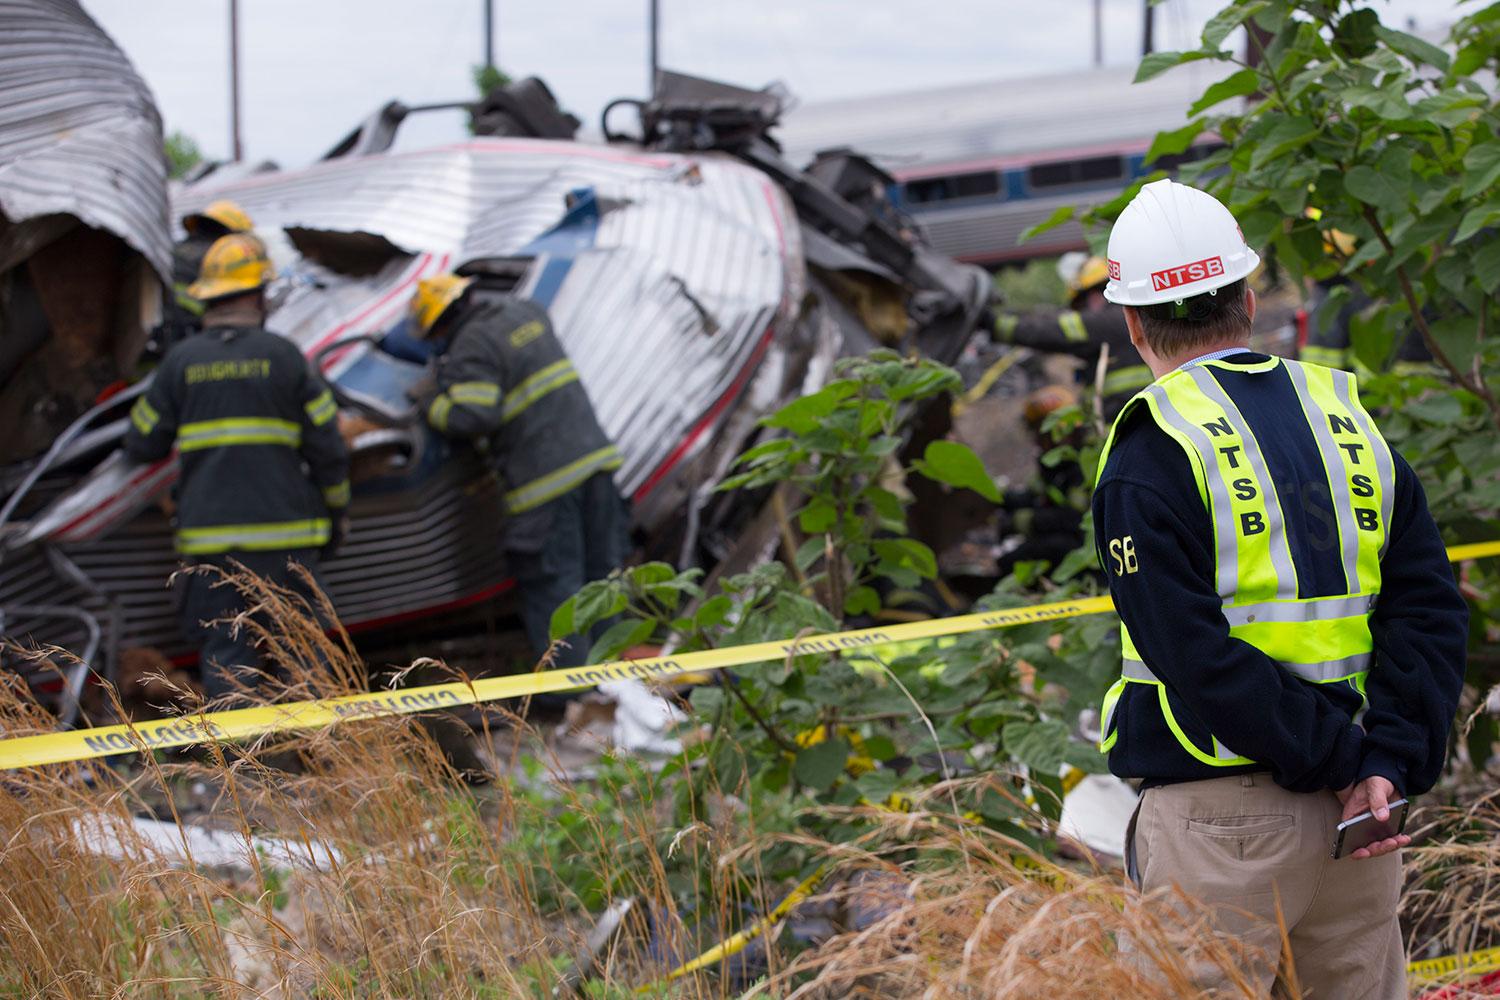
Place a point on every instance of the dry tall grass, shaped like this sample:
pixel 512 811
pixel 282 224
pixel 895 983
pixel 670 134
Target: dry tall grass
pixel 962 911
pixel 363 865
pixel 370 869
pixel 1452 899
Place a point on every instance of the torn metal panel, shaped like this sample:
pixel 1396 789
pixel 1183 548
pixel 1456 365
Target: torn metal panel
pixel 83 233
pixel 79 133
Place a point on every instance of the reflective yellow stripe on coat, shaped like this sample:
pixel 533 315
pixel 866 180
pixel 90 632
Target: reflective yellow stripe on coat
pixel 536 385
pixel 337 495
pixel 554 484
pixel 461 394
pixel 321 408
pixel 144 416
pixel 1072 326
pixel 306 534
pixel 233 431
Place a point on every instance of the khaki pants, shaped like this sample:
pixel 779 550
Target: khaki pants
pixel 1241 844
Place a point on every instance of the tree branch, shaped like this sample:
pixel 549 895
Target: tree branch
pixel 1474 384
pixel 755 716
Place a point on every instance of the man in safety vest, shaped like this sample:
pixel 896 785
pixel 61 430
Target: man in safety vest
pixel 264 473
pixel 1083 330
pixel 1294 642
pixel 504 380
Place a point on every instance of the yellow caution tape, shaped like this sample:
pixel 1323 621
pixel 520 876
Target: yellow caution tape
pixel 1487 960
pixel 243 723
pixel 736 943
pixel 986 382
pixel 1476 550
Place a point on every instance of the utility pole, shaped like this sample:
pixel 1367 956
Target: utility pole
pixel 1098 33
pixel 1148 44
pixel 654 29
pixel 489 32
pixel 236 148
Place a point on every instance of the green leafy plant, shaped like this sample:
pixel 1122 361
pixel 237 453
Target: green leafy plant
pixel 866 725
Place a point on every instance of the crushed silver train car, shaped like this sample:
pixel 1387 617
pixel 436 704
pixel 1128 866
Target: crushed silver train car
pixel 696 279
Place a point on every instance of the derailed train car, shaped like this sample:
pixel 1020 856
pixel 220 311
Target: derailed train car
pixel 696 280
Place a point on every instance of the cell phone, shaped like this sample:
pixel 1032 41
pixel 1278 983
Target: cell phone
pixel 1364 829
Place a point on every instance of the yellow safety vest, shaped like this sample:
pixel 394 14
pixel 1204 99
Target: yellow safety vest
pixel 1322 640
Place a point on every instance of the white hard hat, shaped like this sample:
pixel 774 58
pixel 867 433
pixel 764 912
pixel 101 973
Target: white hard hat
pixel 1171 243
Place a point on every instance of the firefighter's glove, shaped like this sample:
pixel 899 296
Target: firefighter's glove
pixel 336 535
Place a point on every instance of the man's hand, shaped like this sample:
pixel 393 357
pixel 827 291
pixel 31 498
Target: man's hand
pixel 1372 795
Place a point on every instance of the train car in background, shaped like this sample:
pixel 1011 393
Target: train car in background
pixel 977 165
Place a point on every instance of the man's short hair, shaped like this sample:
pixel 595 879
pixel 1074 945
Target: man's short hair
pixel 1170 328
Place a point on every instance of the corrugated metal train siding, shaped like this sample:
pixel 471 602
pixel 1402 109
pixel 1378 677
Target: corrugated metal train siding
pixel 79 132
pixel 411 549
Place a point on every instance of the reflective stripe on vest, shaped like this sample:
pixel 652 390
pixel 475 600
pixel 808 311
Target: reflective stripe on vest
pixel 308 534
pixel 1323 640
pixel 233 431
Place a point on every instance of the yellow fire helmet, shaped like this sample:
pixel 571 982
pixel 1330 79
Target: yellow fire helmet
pixel 222 212
pixel 1094 271
pixel 433 297
pixel 235 264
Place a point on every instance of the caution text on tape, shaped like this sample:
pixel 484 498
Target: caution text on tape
pixel 1469 963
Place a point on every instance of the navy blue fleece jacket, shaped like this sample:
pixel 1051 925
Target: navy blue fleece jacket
pixel 1302 733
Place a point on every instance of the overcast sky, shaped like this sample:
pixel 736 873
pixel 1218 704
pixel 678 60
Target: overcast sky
pixel 312 69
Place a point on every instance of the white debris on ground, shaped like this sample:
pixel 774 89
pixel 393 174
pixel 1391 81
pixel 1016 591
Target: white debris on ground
pixel 643 719
pixel 1096 813
pixel 123 838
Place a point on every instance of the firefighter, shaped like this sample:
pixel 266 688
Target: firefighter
pixel 1328 336
pixel 1049 517
pixel 504 381
pixel 1294 642
pixel 1081 331
pixel 1329 342
pixel 264 479
pixel 204 228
